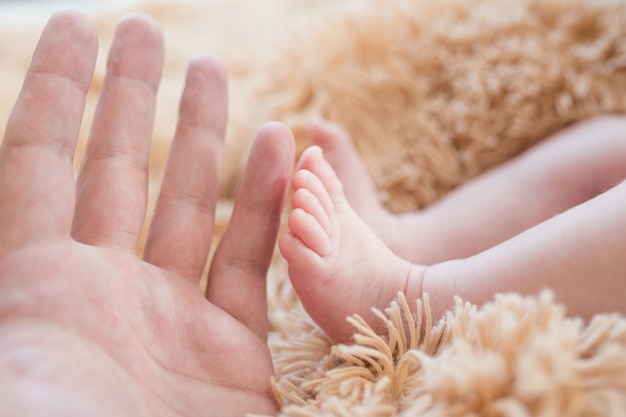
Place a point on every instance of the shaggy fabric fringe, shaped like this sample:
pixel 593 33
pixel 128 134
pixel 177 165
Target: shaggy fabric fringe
pixel 515 357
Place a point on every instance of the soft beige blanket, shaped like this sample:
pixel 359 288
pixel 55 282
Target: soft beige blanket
pixel 434 92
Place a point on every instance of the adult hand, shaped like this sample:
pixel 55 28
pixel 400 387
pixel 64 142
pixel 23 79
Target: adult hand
pixel 86 327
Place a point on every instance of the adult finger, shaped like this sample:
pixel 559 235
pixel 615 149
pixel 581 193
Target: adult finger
pixel 113 181
pixel 36 179
pixel 182 227
pixel 237 278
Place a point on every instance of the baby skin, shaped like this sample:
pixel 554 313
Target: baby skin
pixel 568 168
pixel 339 265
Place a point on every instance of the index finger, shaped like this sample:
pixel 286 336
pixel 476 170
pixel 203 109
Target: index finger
pixel 237 278
pixel 37 180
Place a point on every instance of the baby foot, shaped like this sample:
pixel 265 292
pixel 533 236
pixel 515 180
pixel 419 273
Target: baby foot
pixel 360 191
pixel 337 264
pixel 407 235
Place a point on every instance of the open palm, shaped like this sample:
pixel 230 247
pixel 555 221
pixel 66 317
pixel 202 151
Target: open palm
pixel 88 328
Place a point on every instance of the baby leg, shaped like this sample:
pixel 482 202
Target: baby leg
pixel 566 169
pixel 578 254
